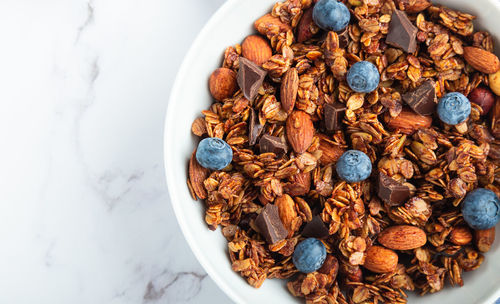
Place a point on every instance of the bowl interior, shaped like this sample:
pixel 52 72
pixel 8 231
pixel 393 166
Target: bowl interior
pixel 190 96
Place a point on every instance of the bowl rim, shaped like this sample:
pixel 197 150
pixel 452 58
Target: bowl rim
pixel 170 176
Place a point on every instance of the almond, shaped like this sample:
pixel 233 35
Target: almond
pixel 268 22
pixel 306 26
pixel 330 151
pixel 300 184
pixel 408 121
pixel 402 237
pixel 299 131
pixel 289 88
pixel 222 83
pixel 484 239
pixel 460 235
pixel 197 175
pixel 380 260
pixel 288 215
pixel 482 60
pixel 256 49
pixel 413 6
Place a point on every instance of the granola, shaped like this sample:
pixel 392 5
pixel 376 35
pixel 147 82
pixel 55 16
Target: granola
pixel 438 164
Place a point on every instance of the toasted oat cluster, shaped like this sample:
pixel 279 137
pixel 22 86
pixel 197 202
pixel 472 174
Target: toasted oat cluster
pixel 283 104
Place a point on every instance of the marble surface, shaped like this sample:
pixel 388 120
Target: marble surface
pixel 84 213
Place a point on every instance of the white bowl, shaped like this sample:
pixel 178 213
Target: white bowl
pixel 190 95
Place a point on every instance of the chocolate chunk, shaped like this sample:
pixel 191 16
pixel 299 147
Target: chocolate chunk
pixel 390 191
pixel 423 99
pixel 315 228
pixel 272 144
pixel 333 113
pixel 250 78
pixel 402 33
pixel 254 127
pixel 343 38
pixel 269 224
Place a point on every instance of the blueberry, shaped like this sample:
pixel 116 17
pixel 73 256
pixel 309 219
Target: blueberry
pixel 214 153
pixel 331 15
pixel 363 77
pixel 354 166
pixel 481 209
pixel 453 108
pixel 309 255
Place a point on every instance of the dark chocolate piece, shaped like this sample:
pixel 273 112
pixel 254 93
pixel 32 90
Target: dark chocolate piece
pixel 250 78
pixel 390 191
pixel 423 99
pixel 254 127
pixel 402 33
pixel 333 113
pixel 315 228
pixel 272 144
pixel 269 224
pixel 343 38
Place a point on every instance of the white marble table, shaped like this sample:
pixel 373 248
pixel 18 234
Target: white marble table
pixel 84 214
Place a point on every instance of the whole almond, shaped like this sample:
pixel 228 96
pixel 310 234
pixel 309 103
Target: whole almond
pixel 267 22
pixel 460 235
pixel 288 90
pixel 402 237
pixel 197 175
pixel 256 49
pixel 222 83
pixel 286 210
pixel 408 121
pixel 380 260
pixel 306 26
pixel 413 6
pixel 330 151
pixel 482 60
pixel 299 131
pixel 484 239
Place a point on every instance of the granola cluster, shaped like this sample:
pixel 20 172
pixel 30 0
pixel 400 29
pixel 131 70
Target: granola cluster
pixel 439 163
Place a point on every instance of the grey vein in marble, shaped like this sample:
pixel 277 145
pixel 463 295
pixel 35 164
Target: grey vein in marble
pixel 154 293
pixel 89 20
pixel 86 217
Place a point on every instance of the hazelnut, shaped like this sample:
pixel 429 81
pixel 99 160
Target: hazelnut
pixel 222 83
pixel 483 97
